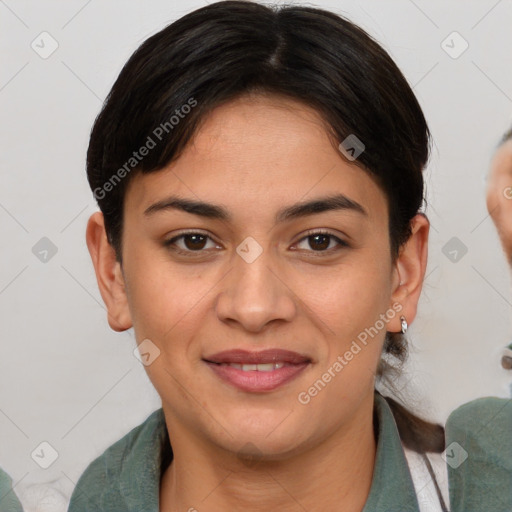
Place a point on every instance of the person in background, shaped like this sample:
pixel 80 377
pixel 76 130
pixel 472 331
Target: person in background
pixel 499 205
pixel 506 359
pixel 479 433
pixel 499 193
pixel 8 500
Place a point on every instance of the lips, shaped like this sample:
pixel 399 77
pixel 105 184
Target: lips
pixel 257 372
pixel 263 357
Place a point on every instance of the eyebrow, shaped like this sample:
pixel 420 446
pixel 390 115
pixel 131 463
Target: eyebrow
pixel 295 211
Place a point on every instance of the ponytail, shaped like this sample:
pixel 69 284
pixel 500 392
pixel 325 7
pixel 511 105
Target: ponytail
pixel 415 433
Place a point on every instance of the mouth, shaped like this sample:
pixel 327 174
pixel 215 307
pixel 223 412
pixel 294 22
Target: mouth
pixel 255 372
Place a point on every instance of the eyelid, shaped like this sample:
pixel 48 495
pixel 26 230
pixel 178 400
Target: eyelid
pixel 169 242
pixel 191 232
pixel 323 231
pixel 318 231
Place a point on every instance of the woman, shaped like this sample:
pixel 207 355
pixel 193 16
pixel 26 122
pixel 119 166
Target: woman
pixel 259 175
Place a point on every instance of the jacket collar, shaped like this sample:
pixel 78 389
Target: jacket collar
pixel 150 453
pixel 392 488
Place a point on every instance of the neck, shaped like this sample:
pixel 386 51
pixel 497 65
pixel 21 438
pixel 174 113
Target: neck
pixel 338 471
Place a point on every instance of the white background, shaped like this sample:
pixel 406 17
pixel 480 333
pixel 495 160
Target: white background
pixel 65 377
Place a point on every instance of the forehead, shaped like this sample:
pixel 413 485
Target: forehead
pixel 261 151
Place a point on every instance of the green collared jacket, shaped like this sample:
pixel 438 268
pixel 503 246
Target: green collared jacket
pixel 479 456
pixel 126 477
pixel 8 500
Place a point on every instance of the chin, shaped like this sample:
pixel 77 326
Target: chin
pixel 269 440
pixel 252 452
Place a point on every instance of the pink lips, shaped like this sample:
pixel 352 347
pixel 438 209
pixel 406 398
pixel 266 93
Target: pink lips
pixel 255 380
pixel 262 357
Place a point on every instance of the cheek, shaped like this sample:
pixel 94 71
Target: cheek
pixel 348 298
pixel 162 298
pixel 349 309
pixel 168 308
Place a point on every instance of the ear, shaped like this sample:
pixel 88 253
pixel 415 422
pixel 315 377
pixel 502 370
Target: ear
pixel 108 274
pixel 409 272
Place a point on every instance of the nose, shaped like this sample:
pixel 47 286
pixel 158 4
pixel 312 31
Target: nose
pixel 256 293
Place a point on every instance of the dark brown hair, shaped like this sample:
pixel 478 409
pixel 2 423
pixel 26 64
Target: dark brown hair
pixel 506 136
pixel 230 48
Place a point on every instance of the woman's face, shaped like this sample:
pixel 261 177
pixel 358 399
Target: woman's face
pixel 260 279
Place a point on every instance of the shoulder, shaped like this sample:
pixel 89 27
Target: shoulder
pixel 103 485
pixel 485 422
pixel 8 500
pixel 489 404
pixel 479 455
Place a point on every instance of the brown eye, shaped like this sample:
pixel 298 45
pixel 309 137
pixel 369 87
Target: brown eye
pixel 189 242
pixel 320 241
pixel 194 242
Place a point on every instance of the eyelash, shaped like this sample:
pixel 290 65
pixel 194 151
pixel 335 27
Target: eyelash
pixel 341 243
